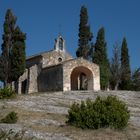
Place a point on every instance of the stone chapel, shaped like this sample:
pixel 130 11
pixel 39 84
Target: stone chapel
pixel 56 70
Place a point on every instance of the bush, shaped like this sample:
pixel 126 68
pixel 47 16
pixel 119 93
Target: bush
pixel 7 93
pixel 10 118
pixel 109 112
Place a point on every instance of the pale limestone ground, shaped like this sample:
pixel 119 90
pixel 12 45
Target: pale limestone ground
pixel 44 116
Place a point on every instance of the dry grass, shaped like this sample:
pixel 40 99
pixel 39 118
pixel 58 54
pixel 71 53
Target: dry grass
pixel 33 114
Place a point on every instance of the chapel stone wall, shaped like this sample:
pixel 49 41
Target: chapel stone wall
pixel 69 66
pixel 23 81
pixel 51 79
pixel 32 79
pixel 33 61
pixel 54 57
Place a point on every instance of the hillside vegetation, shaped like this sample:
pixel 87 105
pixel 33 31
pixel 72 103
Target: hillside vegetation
pixel 43 115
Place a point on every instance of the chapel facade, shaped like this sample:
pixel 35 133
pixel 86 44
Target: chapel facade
pixel 56 70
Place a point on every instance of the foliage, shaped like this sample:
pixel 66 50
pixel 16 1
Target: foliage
pixel 125 81
pixel 10 118
pixel 85 35
pixel 136 80
pixel 7 93
pixel 109 112
pixel 12 58
pixel 8 26
pixel 115 68
pixel 2 74
pixel 100 58
pixel 18 54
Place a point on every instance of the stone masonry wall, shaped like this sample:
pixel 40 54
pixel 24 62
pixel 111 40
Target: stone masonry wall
pixel 54 58
pixel 33 61
pixel 68 67
pixel 51 79
pixel 21 79
pixel 32 79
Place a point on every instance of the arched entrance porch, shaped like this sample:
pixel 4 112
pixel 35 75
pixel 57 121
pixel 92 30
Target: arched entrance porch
pixel 81 79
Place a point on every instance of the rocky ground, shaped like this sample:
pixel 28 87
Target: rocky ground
pixel 43 115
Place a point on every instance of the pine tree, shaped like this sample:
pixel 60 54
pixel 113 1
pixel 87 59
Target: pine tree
pixel 85 35
pixel 12 59
pixel 100 58
pixel 115 66
pixel 125 67
pixel 18 54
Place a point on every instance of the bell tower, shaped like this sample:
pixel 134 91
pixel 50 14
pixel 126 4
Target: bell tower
pixel 59 44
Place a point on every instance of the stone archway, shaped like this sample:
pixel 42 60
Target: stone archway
pixel 81 79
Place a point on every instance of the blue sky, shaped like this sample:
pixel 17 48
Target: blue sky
pixel 41 21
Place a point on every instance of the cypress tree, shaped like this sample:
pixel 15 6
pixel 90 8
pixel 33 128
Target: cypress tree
pixel 18 56
pixel 85 35
pixel 9 26
pixel 1 69
pixel 12 59
pixel 125 67
pixel 100 58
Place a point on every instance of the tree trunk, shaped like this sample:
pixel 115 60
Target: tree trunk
pixel 116 86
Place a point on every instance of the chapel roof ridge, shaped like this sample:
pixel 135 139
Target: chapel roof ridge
pixel 38 54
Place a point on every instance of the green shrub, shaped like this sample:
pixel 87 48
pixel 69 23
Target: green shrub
pixel 108 112
pixel 10 118
pixel 7 93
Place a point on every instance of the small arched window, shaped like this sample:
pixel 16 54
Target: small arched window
pixel 61 44
pixel 59 59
